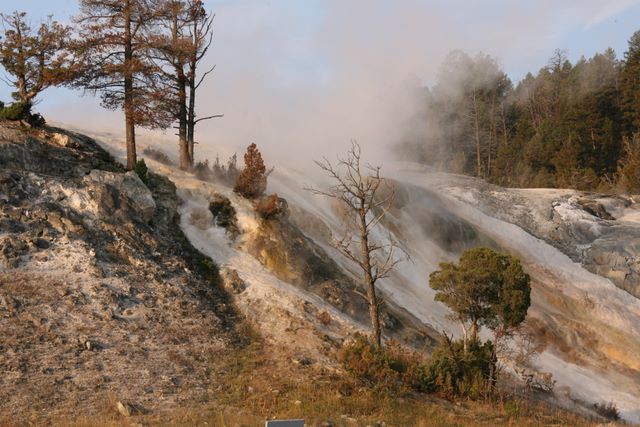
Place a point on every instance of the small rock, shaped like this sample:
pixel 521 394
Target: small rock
pixel 232 281
pixel 41 243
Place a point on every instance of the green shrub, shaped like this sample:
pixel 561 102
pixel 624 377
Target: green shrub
pixel 16 111
pixel 36 120
pixel 142 171
pixel 455 372
pixel 389 369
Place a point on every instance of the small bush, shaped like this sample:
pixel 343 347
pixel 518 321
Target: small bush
pixel 607 410
pixel 272 207
pixel 157 155
pixel 142 171
pixel 16 111
pixel 202 171
pixel 208 265
pixel 36 120
pixel 252 181
pixel 224 214
pixel 455 372
pixel 324 318
pixel 388 369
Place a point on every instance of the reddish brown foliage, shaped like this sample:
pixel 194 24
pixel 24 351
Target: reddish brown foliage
pixel 252 181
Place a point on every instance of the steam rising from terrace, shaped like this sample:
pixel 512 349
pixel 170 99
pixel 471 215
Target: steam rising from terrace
pixel 301 79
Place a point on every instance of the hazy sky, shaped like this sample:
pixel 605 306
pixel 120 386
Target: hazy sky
pixel 301 77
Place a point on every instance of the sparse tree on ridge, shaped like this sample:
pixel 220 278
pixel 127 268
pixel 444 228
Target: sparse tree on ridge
pixel 367 196
pixel 172 48
pixel 33 60
pixel 113 52
pixel 180 39
pixel 200 30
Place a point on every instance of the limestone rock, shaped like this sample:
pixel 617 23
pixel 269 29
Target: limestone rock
pixel 130 186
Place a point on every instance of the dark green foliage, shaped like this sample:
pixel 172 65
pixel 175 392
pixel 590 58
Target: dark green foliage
pixel 16 111
pixel 628 176
pixel 36 120
pixel 454 372
pixel 485 288
pixel 142 171
pixel 451 371
pixel 561 127
pixel 202 171
pixel 208 265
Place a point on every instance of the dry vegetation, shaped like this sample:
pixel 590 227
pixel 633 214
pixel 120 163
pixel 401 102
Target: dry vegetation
pixel 259 383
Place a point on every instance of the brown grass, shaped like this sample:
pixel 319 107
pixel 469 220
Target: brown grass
pixel 261 383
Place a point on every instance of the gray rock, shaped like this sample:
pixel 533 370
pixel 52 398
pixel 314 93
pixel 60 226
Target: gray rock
pixel 232 281
pixel 129 185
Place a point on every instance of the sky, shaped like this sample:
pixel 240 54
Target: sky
pixel 303 77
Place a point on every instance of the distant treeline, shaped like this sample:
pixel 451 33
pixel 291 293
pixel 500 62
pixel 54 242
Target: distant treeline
pixel 570 125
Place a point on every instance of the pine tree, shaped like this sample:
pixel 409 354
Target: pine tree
pixel 484 288
pixel 252 181
pixel 630 85
pixel 113 50
pixel 35 60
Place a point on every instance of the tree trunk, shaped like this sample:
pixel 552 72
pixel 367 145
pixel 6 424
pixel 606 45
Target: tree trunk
pixel 185 155
pixel 374 314
pixel 129 108
pixel 465 337
pixel 183 145
pixel 474 332
pixel 191 112
pixel 476 123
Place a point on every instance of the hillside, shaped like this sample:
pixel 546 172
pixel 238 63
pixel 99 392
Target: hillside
pixel 105 300
pixel 101 295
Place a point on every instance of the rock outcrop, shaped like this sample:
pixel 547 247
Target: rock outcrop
pixel 101 294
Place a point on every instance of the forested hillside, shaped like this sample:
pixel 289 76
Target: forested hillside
pixel 569 125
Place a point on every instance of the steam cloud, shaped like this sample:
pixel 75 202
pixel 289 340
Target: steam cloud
pixel 302 78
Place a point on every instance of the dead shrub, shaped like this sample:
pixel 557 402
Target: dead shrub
pixel 324 318
pixel 607 410
pixel 271 207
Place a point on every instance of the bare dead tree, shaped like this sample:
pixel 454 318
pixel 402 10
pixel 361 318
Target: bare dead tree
pixel 200 30
pixel 360 189
pixel 170 54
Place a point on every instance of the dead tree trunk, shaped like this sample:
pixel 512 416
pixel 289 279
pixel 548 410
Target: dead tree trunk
pixel 358 189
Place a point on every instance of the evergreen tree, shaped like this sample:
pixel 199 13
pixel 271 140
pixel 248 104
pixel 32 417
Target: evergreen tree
pixel 252 180
pixel 484 288
pixel 630 85
pixel 34 59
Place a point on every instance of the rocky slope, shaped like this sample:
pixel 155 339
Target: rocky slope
pixel 105 299
pixel 102 298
